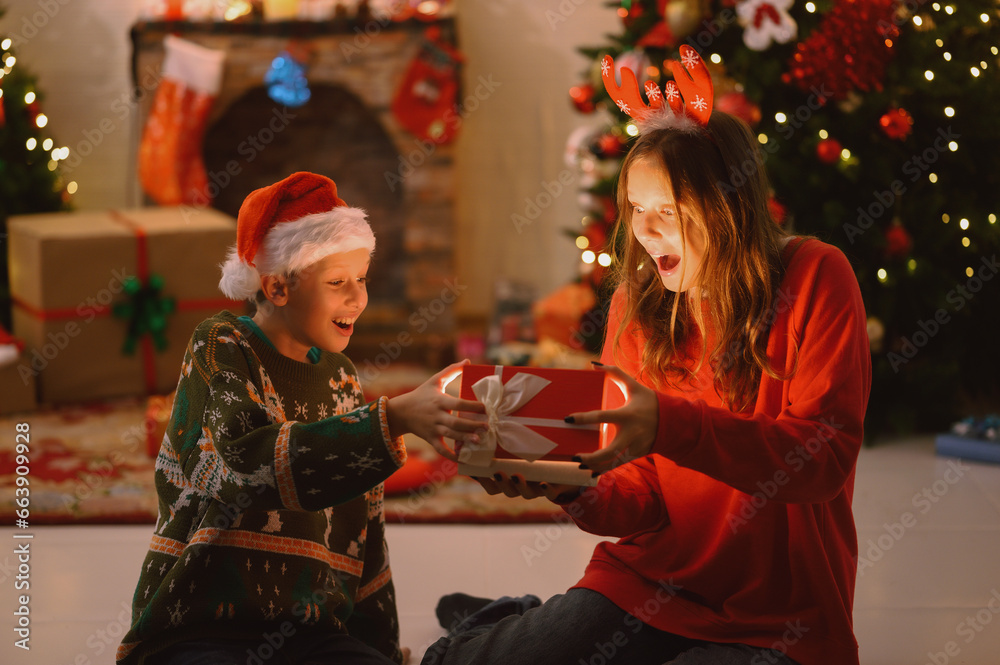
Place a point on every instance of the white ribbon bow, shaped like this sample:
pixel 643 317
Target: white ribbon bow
pixel 500 401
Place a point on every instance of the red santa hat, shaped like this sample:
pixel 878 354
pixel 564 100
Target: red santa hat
pixel 288 226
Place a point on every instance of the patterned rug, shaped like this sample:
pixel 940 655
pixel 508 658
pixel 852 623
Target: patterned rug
pixel 89 465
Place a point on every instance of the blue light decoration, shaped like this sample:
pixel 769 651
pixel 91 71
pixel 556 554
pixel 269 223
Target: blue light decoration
pixel 286 81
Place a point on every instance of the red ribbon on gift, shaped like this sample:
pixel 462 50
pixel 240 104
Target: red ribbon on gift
pixel 142 268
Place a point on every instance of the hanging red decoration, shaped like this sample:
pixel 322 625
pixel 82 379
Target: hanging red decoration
pixel 608 146
pixel 3 117
pixel 583 97
pixel 828 150
pixel 777 210
pixel 898 241
pixel 896 123
pixel 855 36
pixel 739 105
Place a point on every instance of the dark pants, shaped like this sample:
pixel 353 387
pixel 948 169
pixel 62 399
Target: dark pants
pixel 579 627
pixel 326 649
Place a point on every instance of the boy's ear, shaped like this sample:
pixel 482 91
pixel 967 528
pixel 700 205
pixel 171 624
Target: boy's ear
pixel 275 288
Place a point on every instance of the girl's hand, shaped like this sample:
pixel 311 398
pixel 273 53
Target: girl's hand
pixel 636 423
pixel 427 412
pixel 516 485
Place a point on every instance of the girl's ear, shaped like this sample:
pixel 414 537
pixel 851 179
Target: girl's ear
pixel 275 288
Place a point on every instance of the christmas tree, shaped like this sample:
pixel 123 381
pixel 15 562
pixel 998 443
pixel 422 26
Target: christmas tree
pixel 29 172
pixel 876 121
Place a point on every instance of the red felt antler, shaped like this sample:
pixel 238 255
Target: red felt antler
pixel 695 83
pixel 692 82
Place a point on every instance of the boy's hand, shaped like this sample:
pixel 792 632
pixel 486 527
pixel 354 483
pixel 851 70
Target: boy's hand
pixel 516 485
pixel 427 412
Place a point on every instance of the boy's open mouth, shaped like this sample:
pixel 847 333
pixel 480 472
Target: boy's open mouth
pixel 344 323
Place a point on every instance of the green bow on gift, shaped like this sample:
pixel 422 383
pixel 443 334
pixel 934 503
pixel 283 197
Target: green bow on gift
pixel 146 311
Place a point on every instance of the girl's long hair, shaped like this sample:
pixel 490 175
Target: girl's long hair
pixel 719 175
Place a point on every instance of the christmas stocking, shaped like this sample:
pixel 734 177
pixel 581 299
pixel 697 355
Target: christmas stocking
pixel 425 100
pixel 171 169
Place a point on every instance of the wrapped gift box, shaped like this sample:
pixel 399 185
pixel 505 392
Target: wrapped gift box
pixel 17 389
pixel 69 270
pixel 527 406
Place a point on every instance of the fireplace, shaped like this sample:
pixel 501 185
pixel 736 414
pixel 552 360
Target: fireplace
pixel 347 132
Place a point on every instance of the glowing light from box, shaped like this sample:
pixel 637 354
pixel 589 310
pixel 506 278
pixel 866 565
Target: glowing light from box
pixel 963 223
pixel 72 187
pixel 5 44
pixel 29 97
pixel 31 143
pixel 588 257
pixel 882 275
pixel 604 259
pixel 47 145
pixel 41 120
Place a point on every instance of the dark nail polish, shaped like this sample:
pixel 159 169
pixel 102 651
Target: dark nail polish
pixel 544 486
pixel 596 364
pixel 584 466
pixel 576 458
pixel 569 419
pixel 515 480
pixel 497 477
pixel 595 474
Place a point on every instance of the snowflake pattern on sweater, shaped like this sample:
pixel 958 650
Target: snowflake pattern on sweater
pixel 269 480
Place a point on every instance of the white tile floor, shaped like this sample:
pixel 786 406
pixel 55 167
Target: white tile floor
pixel 930 527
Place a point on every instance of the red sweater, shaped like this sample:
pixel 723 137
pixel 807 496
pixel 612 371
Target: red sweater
pixel 738 528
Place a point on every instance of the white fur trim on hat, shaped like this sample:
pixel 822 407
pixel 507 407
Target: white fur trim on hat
pixel 291 246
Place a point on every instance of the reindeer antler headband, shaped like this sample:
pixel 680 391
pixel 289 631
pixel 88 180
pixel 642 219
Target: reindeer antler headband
pixel 690 95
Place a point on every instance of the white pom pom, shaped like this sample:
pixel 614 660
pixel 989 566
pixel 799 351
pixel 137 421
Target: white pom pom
pixel 239 280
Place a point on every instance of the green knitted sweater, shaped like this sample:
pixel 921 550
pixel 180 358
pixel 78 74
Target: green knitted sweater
pixel 269 481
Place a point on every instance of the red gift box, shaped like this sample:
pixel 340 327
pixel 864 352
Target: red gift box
pixel 526 431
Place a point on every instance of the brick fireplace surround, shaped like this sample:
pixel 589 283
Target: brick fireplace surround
pixel 347 132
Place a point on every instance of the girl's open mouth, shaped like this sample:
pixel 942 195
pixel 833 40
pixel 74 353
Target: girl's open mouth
pixel 667 262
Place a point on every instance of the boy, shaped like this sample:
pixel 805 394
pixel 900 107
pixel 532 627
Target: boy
pixel 270 536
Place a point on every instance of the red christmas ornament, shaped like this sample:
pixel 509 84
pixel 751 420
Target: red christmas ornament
pixel 739 105
pixel 828 150
pixel 3 118
pixel 898 241
pixel 896 123
pixel 583 97
pixel 847 51
pixel 777 210
pixel 608 146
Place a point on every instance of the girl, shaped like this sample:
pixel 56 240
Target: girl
pixel 730 479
